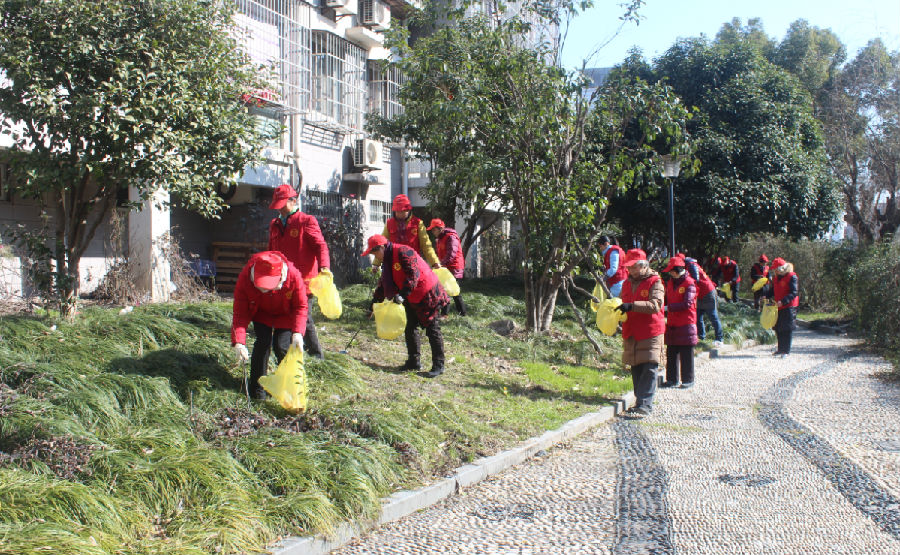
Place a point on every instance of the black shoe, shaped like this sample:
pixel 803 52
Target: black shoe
pixel 259 394
pixel 641 411
pixel 411 365
pixel 687 385
pixel 669 384
pixel 436 371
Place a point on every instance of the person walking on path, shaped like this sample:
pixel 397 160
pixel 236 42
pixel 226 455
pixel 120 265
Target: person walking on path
pixel 757 272
pixel 731 274
pixel 271 294
pixel 298 237
pixel 681 324
pixel 707 305
pixel 614 271
pixel 785 291
pixel 642 332
pixel 450 255
pixel 406 279
pixel 405 229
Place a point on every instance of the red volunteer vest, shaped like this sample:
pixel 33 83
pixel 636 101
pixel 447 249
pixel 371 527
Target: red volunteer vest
pixel 458 262
pixel 728 271
pixel 704 285
pixel 426 282
pixel 781 285
pixel 621 272
pixel 759 271
pixel 408 236
pixel 674 294
pixel 638 325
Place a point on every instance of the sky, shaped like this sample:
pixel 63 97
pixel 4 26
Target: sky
pixel 855 22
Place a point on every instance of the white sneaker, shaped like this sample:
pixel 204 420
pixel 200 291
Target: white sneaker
pixel 717 344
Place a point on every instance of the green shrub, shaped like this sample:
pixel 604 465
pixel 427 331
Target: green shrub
pixel 874 295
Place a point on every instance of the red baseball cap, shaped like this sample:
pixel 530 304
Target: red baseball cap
pixel 375 241
pixel 778 263
pixel 763 258
pixel 267 270
pixel 436 222
pixel 281 196
pixel 401 203
pixel 632 256
pixel 674 262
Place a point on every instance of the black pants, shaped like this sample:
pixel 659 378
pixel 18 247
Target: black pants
pixel 643 379
pixel 757 295
pixel 684 354
pixel 266 340
pixel 458 303
pixel 311 338
pixel 735 286
pixel 784 328
pixel 433 332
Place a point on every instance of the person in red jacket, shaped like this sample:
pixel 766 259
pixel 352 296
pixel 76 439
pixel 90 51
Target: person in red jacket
pixel 403 228
pixel 270 293
pixel 785 291
pixel 642 333
pixel 298 237
pixel 757 272
pixel 731 274
pixel 707 301
pixel 449 252
pixel 408 280
pixel 614 271
pixel 681 324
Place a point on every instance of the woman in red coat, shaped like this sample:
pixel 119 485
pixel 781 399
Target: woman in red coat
pixel 408 280
pixel 785 290
pixel 681 324
pixel 270 293
pixel 449 251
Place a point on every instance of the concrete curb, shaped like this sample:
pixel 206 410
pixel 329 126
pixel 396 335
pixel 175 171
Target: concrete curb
pixel 403 503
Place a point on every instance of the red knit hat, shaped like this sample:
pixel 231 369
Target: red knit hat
pixel 267 270
pixel 375 241
pixel 281 196
pixel 401 203
pixel 634 255
pixel 436 222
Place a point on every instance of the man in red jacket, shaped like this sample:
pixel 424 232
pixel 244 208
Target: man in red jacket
pixel 758 271
pixel 731 274
pixel 449 252
pixel 297 236
pixel 408 280
pixel 270 293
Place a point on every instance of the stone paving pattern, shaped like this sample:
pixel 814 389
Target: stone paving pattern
pixel 765 455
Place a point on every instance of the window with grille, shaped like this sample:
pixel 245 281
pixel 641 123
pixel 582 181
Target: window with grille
pixel 338 79
pixel 379 211
pixel 384 89
pixel 276 33
pixel 321 203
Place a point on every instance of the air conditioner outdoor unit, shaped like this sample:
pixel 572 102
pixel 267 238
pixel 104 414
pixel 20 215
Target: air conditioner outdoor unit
pixel 367 154
pixel 375 14
pixel 342 7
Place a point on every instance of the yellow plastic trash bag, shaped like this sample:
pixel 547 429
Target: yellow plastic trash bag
pixel 760 283
pixel 448 282
pixel 390 319
pixel 288 384
pixel 322 286
pixel 608 318
pixel 726 288
pixel 769 316
pixel 599 293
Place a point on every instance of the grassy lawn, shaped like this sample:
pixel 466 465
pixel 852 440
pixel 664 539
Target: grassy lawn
pixel 129 433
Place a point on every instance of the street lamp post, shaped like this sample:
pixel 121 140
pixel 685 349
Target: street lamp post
pixel 671 168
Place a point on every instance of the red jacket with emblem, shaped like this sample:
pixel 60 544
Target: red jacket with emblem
pixel 413 235
pixel 785 290
pixel 301 241
pixel 639 325
pixel 411 282
pixel 284 308
pixel 621 271
pixel 681 322
pixel 449 252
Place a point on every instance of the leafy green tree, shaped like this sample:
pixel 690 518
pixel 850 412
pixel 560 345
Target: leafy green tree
pixel 761 151
pixel 100 97
pixel 861 114
pixel 813 55
pixel 500 122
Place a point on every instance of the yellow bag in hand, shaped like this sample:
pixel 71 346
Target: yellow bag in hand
pixel 390 319
pixel 726 288
pixel 322 286
pixel 288 384
pixel 597 292
pixel 759 284
pixel 608 318
pixel 448 282
pixel 769 316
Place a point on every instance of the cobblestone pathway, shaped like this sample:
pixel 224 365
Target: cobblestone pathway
pixel 765 455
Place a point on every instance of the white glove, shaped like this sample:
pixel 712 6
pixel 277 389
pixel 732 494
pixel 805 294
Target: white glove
pixel 297 340
pixel 241 351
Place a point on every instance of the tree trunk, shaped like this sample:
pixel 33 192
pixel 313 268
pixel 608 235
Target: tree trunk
pixel 540 302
